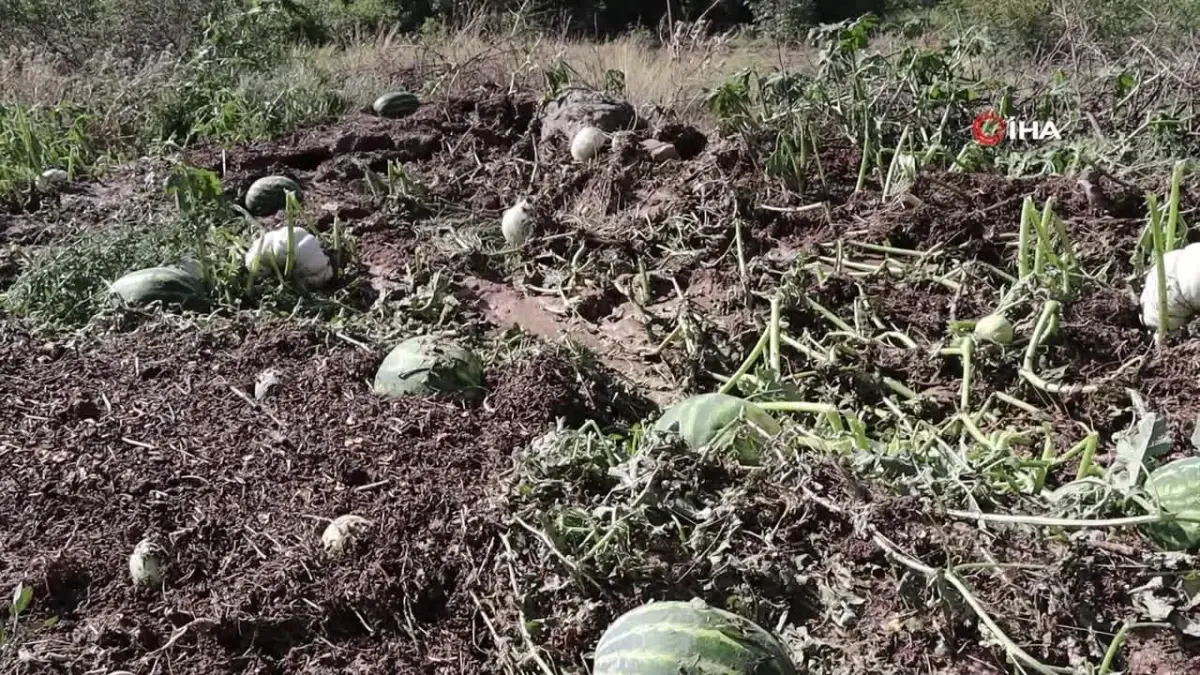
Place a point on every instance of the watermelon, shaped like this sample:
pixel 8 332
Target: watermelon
pixel 396 104
pixel 268 195
pixel 1176 487
pixel 701 419
pixel 427 365
pixel 692 638
pixel 167 286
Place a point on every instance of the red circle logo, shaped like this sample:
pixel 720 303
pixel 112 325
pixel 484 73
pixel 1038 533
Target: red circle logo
pixel 989 128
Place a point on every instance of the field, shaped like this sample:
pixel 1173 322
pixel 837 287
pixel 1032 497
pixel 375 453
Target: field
pixel 939 499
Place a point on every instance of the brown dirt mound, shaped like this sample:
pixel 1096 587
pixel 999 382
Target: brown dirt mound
pixel 148 433
pixel 477 155
pixel 157 433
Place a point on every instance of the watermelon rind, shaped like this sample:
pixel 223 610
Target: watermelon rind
pixel 268 194
pixel 1175 487
pixel 429 365
pixel 702 419
pixel 396 104
pixel 165 286
pixel 673 637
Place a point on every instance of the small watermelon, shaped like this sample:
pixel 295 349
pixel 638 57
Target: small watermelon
pixel 268 195
pixel 168 286
pixel 670 638
pixel 427 365
pixel 1176 487
pixel 396 104
pixel 701 419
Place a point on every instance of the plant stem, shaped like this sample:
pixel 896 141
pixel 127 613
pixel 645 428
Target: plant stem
pixel 892 167
pixel 1041 521
pixel 968 366
pixel 1173 206
pixel 1086 462
pixel 1023 269
pixel 773 352
pixel 755 354
pixel 1160 267
pixel 1118 640
pixel 866 154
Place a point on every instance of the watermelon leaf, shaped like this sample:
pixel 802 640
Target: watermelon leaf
pixel 1163 602
pixel 195 190
pixel 1147 441
pixel 1151 602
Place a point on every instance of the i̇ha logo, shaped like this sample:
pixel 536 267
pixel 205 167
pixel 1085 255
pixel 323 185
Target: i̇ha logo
pixel 990 128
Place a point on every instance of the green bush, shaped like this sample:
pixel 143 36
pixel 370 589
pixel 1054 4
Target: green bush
pixel 343 19
pixel 1027 27
pixel 76 30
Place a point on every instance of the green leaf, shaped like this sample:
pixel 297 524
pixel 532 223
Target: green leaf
pixel 1147 441
pixel 195 189
pixel 1124 83
pixel 22 596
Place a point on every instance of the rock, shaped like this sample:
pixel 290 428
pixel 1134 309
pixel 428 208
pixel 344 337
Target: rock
pixel 659 151
pixel 1090 184
pixel 577 108
pixel 265 383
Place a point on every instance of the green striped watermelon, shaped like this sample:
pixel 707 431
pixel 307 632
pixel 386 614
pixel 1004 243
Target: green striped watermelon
pixel 167 286
pixel 688 638
pixel 701 419
pixel 396 104
pixel 268 195
pixel 1176 487
pixel 427 365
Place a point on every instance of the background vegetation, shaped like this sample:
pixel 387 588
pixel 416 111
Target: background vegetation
pixel 126 75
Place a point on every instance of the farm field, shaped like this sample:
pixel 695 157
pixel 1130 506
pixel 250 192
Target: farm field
pixel 943 493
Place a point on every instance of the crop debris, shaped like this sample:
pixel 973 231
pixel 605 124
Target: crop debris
pixel 444 375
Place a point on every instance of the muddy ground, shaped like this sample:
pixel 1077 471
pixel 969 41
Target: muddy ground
pixel 156 431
